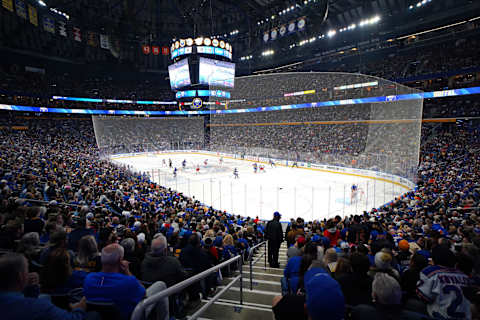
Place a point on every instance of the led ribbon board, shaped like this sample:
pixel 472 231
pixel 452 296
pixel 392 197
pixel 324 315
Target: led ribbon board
pixel 412 96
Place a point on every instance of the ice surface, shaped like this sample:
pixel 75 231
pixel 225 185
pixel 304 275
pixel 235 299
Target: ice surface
pixel 294 192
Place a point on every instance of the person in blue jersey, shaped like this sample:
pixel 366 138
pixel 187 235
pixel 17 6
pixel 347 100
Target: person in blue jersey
pixel 14 278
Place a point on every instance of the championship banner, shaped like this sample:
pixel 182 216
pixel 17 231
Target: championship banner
pixel 155 50
pixel 104 41
pixel 291 27
pixel 282 30
pixel 92 39
pixel 77 35
pixel 8 4
pixel 273 34
pixel 165 51
pixel 21 9
pixel 48 24
pixel 301 23
pixel 266 36
pixel 146 49
pixel 32 14
pixel 62 29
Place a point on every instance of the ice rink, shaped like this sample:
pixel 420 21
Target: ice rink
pixel 295 192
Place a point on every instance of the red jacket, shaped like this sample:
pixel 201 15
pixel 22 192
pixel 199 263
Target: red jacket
pixel 333 237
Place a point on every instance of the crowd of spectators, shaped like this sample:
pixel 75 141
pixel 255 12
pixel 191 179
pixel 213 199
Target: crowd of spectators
pixel 415 258
pixel 88 221
pixel 126 135
pixel 84 227
pixel 361 138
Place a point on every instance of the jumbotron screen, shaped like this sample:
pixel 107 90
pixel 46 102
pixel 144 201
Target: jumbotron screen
pixel 216 73
pixel 179 74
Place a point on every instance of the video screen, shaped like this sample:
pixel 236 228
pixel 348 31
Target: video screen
pixel 217 73
pixel 179 74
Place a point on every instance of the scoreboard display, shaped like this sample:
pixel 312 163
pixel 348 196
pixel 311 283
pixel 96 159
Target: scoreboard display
pixel 216 73
pixel 179 74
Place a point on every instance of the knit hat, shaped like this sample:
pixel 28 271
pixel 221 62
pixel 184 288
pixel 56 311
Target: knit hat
pixel 403 245
pixel 324 296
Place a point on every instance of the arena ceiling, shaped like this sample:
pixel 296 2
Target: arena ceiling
pixel 159 21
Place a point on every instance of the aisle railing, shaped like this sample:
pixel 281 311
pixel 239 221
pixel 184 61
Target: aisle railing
pixel 252 261
pixel 139 312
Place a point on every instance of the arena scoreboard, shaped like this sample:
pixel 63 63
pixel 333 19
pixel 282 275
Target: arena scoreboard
pixel 202 45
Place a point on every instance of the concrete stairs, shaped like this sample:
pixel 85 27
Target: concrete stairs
pixel 257 303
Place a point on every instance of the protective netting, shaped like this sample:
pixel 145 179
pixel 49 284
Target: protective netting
pixel 379 136
pixel 117 135
pixel 358 154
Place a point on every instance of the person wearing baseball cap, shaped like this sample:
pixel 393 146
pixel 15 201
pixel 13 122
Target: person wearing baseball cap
pixel 274 235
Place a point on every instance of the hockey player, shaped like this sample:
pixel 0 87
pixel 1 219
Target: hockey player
pixel 235 173
pixel 271 163
pixel 262 168
pixel 354 191
pixel 175 172
pixel 170 163
pixel 255 167
pixel 220 161
pixel 184 164
pixel 295 164
pixel 197 170
pixel 205 162
pixel 164 163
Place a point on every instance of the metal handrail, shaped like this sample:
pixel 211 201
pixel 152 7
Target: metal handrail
pixel 252 262
pixel 47 202
pixel 465 209
pixel 141 306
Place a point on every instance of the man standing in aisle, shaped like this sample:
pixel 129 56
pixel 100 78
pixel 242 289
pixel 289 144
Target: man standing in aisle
pixel 274 235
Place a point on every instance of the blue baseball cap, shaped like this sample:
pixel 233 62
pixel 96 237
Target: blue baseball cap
pixel 277 214
pixel 324 296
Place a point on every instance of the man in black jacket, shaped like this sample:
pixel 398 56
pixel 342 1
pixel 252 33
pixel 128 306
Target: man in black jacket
pixel 157 266
pixel 274 235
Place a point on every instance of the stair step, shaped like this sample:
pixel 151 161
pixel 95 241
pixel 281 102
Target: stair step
pixel 231 309
pixel 255 296
pixel 258 284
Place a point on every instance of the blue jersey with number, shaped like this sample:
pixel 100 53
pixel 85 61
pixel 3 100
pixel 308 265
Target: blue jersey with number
pixel 441 288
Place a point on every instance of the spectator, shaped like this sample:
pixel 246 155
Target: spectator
pixel 57 275
pixel 332 233
pixel 387 295
pixel 79 230
pixel 33 223
pixel 324 298
pixel 274 235
pixel 441 285
pixel 411 275
pixel 357 286
pixel 14 277
pixel 30 246
pixel 157 266
pixel 115 283
pixel 88 258
pixel 128 245
pixel 295 250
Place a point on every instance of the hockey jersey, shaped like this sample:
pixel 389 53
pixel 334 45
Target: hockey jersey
pixel 441 288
